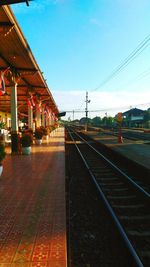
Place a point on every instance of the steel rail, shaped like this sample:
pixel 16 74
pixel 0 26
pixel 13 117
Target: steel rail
pixel 115 218
pixel 116 168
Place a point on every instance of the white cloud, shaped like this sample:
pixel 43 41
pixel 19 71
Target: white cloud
pixel 101 102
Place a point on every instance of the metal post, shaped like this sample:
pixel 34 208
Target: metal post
pixel 73 114
pixel 86 111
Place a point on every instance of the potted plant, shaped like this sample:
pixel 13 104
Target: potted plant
pixel 29 131
pixel 2 156
pixel 38 136
pixel 26 141
pixel 45 131
pixel 51 128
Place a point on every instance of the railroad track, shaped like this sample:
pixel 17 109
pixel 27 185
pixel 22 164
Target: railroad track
pixel 126 200
pixel 136 136
pixel 127 134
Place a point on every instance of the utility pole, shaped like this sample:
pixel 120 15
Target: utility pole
pixel 86 111
pixel 73 115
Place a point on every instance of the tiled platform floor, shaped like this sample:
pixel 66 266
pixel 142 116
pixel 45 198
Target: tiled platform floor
pixel 32 207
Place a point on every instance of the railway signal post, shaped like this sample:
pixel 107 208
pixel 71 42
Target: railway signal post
pixel 119 119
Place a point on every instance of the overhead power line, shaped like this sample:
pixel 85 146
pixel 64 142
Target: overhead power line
pixel 139 77
pixel 108 109
pixel 137 51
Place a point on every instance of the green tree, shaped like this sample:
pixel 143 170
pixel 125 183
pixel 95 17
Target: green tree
pixel 83 121
pixel 108 121
pixel 96 121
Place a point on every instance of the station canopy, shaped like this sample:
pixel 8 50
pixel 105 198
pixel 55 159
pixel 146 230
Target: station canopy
pixel 10 2
pixel 16 58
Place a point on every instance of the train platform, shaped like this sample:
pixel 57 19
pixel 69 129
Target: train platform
pixel 138 151
pixel 33 208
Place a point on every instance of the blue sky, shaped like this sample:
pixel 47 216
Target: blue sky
pixel 78 43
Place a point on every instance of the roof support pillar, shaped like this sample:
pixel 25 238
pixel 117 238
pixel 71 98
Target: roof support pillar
pixel 43 116
pixel 38 117
pixel 50 119
pixel 6 120
pixel 30 117
pixel 14 121
pixel 47 120
pixel 14 110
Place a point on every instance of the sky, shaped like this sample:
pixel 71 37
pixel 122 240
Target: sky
pixel 79 44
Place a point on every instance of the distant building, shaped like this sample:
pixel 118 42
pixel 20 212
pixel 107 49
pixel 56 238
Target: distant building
pixel 133 117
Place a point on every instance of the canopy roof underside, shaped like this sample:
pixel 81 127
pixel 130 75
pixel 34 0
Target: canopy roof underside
pixel 16 54
pixel 10 2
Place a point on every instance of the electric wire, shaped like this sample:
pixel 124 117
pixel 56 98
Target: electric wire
pixel 136 52
pixel 108 109
pixel 139 77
